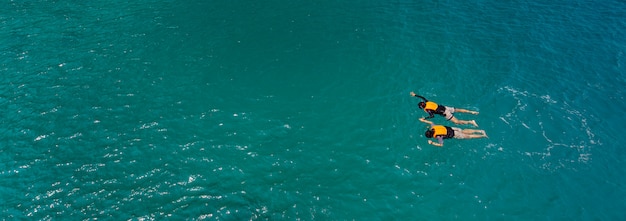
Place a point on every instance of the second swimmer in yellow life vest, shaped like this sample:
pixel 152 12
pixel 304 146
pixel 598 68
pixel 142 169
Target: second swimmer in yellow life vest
pixel 444 132
pixel 433 108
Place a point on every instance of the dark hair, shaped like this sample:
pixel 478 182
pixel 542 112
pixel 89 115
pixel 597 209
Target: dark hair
pixel 421 105
pixel 430 133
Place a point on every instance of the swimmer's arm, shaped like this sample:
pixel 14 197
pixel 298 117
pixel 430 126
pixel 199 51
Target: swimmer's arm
pixel 415 95
pixel 435 144
pixel 430 114
pixel 426 121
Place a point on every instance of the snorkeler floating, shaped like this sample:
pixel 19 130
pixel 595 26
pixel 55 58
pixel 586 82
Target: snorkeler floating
pixel 448 112
pixel 444 132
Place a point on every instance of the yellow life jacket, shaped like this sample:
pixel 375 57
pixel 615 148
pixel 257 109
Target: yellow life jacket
pixel 443 131
pixel 430 106
pixel 440 131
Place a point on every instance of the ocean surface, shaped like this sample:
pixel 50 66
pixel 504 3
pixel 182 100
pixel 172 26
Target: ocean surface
pixel 300 110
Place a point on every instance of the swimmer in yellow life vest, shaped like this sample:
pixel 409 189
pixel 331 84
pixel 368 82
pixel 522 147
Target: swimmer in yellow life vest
pixel 433 108
pixel 444 132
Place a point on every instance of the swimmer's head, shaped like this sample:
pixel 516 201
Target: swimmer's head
pixel 430 133
pixel 421 105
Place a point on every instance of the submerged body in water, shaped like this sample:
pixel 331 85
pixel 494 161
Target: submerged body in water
pixel 233 110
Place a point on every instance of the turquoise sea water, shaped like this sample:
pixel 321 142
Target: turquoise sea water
pixel 300 110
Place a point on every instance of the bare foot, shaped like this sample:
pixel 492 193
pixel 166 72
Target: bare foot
pixel 484 133
pixel 474 123
pixel 474 112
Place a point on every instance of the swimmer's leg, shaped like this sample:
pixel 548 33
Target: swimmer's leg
pixel 457 121
pixel 465 111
